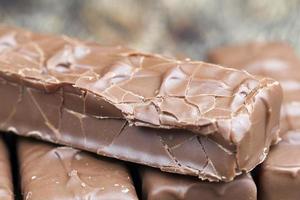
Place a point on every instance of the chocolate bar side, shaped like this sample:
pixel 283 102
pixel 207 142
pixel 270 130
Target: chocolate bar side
pixel 63 80
pixel 50 172
pixel 279 174
pixel 157 185
pixel 6 181
pixel 169 150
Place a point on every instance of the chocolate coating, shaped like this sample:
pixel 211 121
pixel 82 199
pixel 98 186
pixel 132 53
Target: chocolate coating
pixel 49 172
pixel 279 174
pixel 180 116
pixel 274 59
pixel 157 185
pixel 6 186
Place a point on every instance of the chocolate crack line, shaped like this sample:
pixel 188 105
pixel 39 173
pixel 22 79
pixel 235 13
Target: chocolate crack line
pixel 47 122
pixel 208 161
pixel 173 158
pixel 14 109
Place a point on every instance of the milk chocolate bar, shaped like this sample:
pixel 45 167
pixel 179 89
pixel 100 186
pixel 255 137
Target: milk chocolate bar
pixel 6 186
pixel 279 174
pixel 49 172
pixel 157 185
pixel 180 116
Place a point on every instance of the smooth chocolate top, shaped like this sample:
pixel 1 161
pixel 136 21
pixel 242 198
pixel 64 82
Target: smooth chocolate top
pixel 6 186
pixel 270 59
pixel 280 173
pixel 49 172
pixel 285 157
pixel 157 185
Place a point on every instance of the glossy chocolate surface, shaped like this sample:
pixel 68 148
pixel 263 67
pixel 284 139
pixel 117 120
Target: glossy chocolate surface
pixel 6 185
pixel 280 173
pixel 177 115
pixel 279 177
pixel 49 172
pixel 157 185
pixel 274 59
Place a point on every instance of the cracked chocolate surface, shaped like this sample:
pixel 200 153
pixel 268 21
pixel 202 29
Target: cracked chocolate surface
pixel 274 59
pixel 279 176
pixel 157 185
pixel 50 172
pixel 178 115
pixel 6 185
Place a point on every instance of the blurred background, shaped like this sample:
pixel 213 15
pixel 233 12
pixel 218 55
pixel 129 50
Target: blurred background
pixel 171 27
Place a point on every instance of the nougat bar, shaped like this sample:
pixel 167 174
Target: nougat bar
pixel 181 116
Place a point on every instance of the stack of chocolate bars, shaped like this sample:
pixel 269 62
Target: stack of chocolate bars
pixel 144 126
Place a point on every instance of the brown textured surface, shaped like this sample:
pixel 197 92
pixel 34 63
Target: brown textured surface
pixel 205 120
pixel 6 186
pixel 157 185
pixel 276 60
pixel 279 178
pixel 49 172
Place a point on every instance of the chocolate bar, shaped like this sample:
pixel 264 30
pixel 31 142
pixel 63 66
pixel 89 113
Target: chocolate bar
pixel 279 175
pixel 50 172
pixel 6 186
pixel 157 185
pixel 180 116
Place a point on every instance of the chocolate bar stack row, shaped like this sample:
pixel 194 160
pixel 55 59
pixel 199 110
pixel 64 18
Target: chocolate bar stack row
pixel 206 126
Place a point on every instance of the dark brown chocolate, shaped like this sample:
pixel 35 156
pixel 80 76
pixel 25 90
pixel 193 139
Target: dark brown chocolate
pixel 49 172
pixel 157 185
pixel 6 186
pixel 279 174
pixel 180 116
